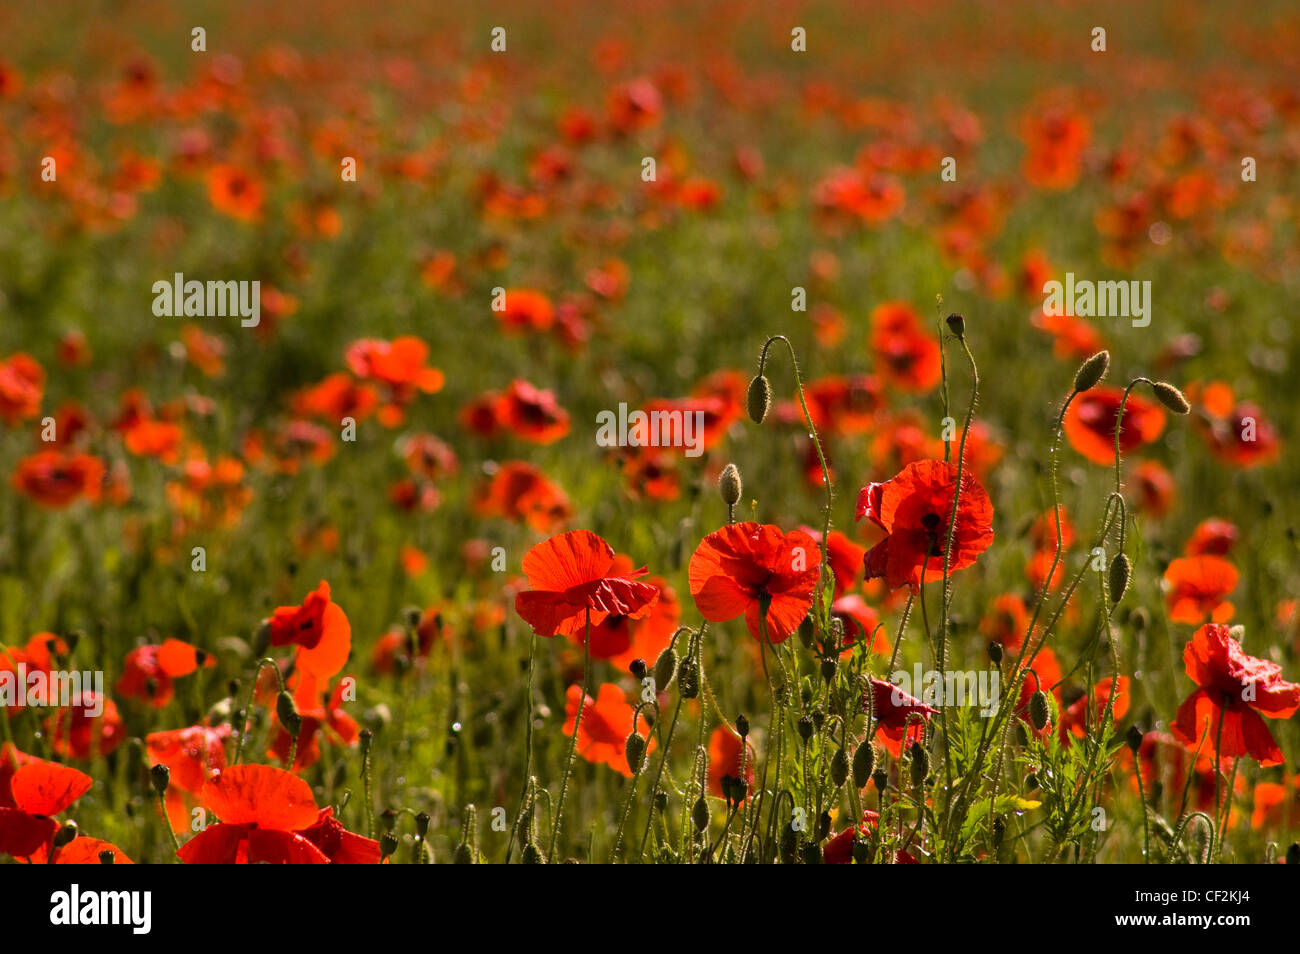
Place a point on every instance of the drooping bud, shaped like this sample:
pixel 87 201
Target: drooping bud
pixel 729 485
pixel 759 398
pixel 1091 371
pixel 1171 397
pixel 920 763
pixel 864 763
pixel 665 668
pixel 1120 570
pixel 65 834
pixel 634 749
pixel 700 814
pixel 1038 710
pixel 957 325
pixel 839 767
pixel 286 710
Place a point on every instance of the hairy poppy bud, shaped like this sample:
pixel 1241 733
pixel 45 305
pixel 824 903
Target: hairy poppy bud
pixel 1038 710
pixel 388 818
pixel 957 325
pixel 700 814
pixel 159 776
pixel 634 749
pixel 839 767
pixel 920 763
pixel 805 727
pixel 819 718
pixel 729 485
pixel 661 801
pixel 742 725
pixel 1022 735
pixel 464 855
pixel 995 653
pixel 286 710
pixel 823 826
pixel 1134 738
pixel 665 668
pixel 759 398
pixel 531 855
pixel 864 763
pixel 1120 569
pixel 1171 397
pixel 1091 371
pixel 65 834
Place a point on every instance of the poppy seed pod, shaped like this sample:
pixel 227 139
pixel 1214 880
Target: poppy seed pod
pixel 160 776
pixel 1120 570
pixel 387 843
pixel 634 749
pixel 805 727
pixel 665 668
pixel 920 764
pixel 957 325
pixel 1171 397
pixel 864 762
pixel 1091 371
pixel 637 669
pixel 106 857
pixel 729 485
pixel 742 725
pixel 995 653
pixel 1038 710
pixel 65 834
pixel 759 398
pixel 839 767
pixel 880 778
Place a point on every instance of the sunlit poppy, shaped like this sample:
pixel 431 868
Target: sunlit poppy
pixel 319 628
pixel 607 721
pixel 1198 587
pixel 572 582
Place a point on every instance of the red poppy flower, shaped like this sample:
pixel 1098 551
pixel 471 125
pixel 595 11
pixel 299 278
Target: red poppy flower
pixel 1197 589
pixel 839 850
pixel 569 582
pixel 1006 622
pixel 55 479
pixel 22 383
pixel 843 405
pixel 908 358
pixel 913 508
pixel 525 310
pixel 621 639
pixel 1076 717
pixel 339 845
pixel 532 414
pixel 1233 691
pixel 77 733
pixel 738 569
pixel 860 622
pixel 235 192
pixel 319 628
pixel 519 491
pixel 261 810
pixel 320 710
pixel 844 556
pixel 1154 488
pixel 1090 423
pixel 149 670
pixel 606 724
pixel 32 790
pixel 1212 537
pixel 724 759
pixel 892 709
pixel 192 756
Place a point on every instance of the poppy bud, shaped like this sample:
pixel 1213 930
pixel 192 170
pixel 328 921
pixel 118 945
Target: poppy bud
pixel 880 778
pixel 725 785
pixel 864 762
pixel 828 669
pixel 807 632
pixel 665 668
pixel 839 767
pixel 661 801
pixel 65 834
pixel 805 726
pixel 1091 371
pixel 819 718
pixel 464 856
pixel 729 485
pixel 688 680
pixel 1134 738
pixel 159 776
pixel 1171 397
pixel 1022 736
pixel 367 737
pixel 422 825
pixel 700 814
pixel 106 857
pixel 1038 710
pixel 759 399
pixel 637 669
pixel 1120 568
pixel 920 764
pixel 1140 618
pixel 742 725
pixel 388 818
pixel 957 325
pixel 739 787
pixel 634 749
pixel 387 843
pixel 1293 853
pixel 286 710
pixel 995 653
pixel 531 855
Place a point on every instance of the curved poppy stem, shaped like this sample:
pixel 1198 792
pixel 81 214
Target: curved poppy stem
pixel 246 713
pixel 528 742
pixel 573 744
pixel 162 814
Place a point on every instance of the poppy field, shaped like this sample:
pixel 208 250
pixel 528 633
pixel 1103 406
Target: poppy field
pixel 788 433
